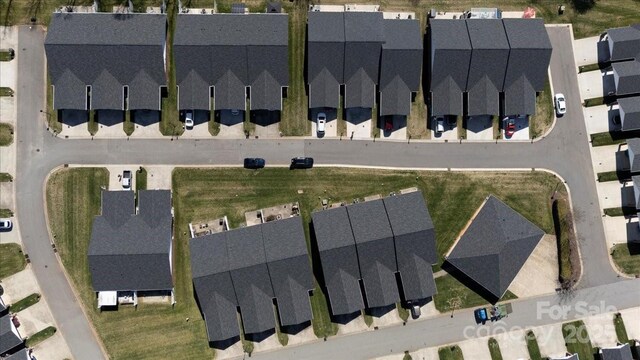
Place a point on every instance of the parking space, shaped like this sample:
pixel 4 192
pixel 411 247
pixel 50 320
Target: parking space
pixel 609 158
pixel 630 318
pixel 550 340
pixel 600 118
pixel 620 230
pixel 540 273
pixel 358 123
pixel 19 285
pixel 159 177
pixel 477 349
pixel 7 110
pixel 590 50
pixel 393 127
pixel 612 194
pixel 595 84
pixel 231 125
pixel 513 345
pixel 520 130
pixel 450 130
pixel 601 331
pixel 115 176
pixel 480 128
pixel 54 348
pixel 331 125
pixel 267 123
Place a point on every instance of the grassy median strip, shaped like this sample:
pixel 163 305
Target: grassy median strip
pixel 532 346
pixel 170 123
pixel 614 176
pixel 141 179
pixel 6 134
pixel 608 138
pixel 40 336
pixel 621 211
pixel 627 258
pixel 494 349
pixel 541 121
pixel 621 330
pixel 24 303
pixel 577 339
pixel 450 353
pixel 12 259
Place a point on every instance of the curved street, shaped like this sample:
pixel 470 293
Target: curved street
pixel 564 151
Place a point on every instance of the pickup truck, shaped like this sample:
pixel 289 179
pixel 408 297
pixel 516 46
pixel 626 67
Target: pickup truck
pixel 492 313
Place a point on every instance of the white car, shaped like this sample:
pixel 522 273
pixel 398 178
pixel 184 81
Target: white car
pixel 188 120
pixel 321 122
pixel 6 225
pixel 439 125
pixel 560 104
pixel 126 179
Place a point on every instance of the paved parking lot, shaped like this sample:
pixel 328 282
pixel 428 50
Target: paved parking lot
pixel 159 177
pixel 612 194
pixel 522 129
pixel 115 176
pixel 600 118
pixel 331 126
pixel 480 128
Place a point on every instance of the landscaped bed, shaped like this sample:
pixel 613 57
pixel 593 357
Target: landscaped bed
pixel 203 194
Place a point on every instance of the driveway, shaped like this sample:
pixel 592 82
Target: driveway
pixel 600 118
pixel 614 194
pixel 590 50
pixel 539 275
pixel 521 131
pixel 602 332
pixel 620 230
pixel 358 123
pixel 595 84
pixel 480 128
pixel 610 158
pixel 550 340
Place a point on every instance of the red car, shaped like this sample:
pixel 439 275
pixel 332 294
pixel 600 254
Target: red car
pixel 510 128
pixel 388 124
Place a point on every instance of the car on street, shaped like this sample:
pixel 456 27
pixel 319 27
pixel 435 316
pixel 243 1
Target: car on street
pixel 438 125
pixel 321 122
pixel 510 127
pixel 188 120
pixel 301 162
pixel 6 225
pixel 126 179
pixel 560 104
pixel 254 163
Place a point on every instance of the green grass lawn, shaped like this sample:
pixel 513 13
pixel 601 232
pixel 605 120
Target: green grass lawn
pixel 73 198
pixel 5 55
pixel 577 339
pixel 541 121
pixel 141 179
pixel 6 134
pixel 627 258
pixel 5 91
pixel 620 211
pixel 170 123
pixel 607 138
pixel 24 303
pixel 453 295
pixel 532 346
pixel 5 177
pixel 40 336
pixel 128 125
pixel 621 330
pixel 494 349
pixel 402 312
pixel 614 176
pixel 6 213
pixel 12 259
pixel 450 353
pixel 569 260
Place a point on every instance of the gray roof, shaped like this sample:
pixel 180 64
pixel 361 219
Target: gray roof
pixel 376 252
pixel 19 355
pixel 630 113
pixel 400 65
pixel 634 154
pixel 624 43
pixel 129 251
pixel 289 269
pixel 339 260
pixel 495 246
pixel 103 50
pixel 622 352
pixel 626 75
pixel 527 65
pixel 450 59
pixel 636 190
pixel 230 52
pixel 363 32
pixel 489 55
pixel 325 58
pixel 415 243
pixel 8 339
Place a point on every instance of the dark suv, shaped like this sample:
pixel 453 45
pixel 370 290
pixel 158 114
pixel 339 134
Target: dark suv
pixel 301 163
pixel 254 163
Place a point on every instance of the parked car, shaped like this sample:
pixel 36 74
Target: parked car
pixel 510 127
pixel 439 125
pixel 388 124
pixel 321 122
pixel 560 104
pixel 188 120
pixel 415 310
pixel 492 313
pixel 254 163
pixel 301 162
pixel 126 179
pixel 6 225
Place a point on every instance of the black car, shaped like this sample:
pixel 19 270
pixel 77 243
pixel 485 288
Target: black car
pixel 254 163
pixel 301 163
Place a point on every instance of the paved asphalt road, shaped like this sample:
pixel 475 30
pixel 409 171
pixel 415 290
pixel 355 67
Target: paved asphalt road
pixel 565 151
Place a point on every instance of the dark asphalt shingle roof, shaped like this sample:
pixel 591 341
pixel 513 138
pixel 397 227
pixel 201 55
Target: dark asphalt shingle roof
pixel 627 77
pixel 400 65
pixel 634 154
pixel 8 339
pixel 339 260
pixel 230 52
pixel 415 243
pixel 19 355
pixel 450 59
pixel 289 268
pixel 630 113
pixel 624 43
pixel 129 251
pixel 529 56
pixel 489 55
pixel 103 50
pixel 376 252
pixel 495 246
pixel 622 352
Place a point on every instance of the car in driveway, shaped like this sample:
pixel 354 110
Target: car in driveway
pixel 560 104
pixel 438 125
pixel 321 122
pixel 388 124
pixel 509 127
pixel 126 179
pixel 254 163
pixel 301 162
pixel 6 225
pixel 188 120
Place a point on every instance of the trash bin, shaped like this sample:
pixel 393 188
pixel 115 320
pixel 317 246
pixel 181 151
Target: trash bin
pixel 560 9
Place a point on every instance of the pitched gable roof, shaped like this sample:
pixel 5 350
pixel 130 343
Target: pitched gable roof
pixel 495 246
pixel 626 76
pixel 621 352
pixel 624 43
pixel 8 338
pixel 634 154
pixel 630 112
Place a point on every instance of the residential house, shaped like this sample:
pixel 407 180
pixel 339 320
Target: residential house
pixel 10 338
pixel 619 352
pixel 633 150
pixel 629 109
pixel 624 43
pixel 626 76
